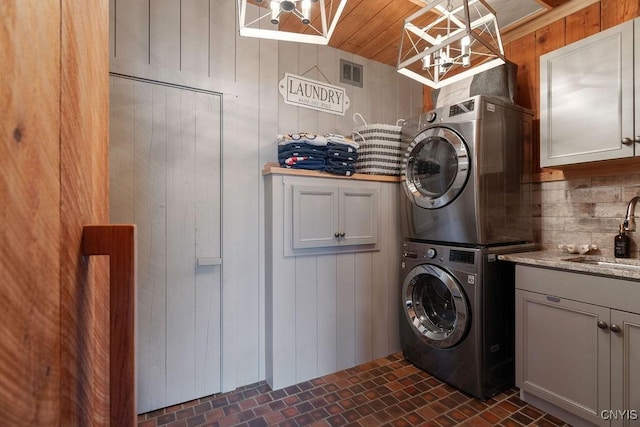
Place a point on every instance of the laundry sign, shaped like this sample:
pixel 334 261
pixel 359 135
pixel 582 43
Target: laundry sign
pixel 307 93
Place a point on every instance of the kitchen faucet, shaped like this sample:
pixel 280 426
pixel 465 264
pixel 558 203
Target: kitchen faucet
pixel 629 220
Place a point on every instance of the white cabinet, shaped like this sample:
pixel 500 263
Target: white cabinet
pixel 587 98
pixel 565 356
pixel 330 303
pixel 577 354
pixel 324 216
pixel 625 373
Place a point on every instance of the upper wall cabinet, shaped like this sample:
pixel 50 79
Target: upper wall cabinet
pixel 587 99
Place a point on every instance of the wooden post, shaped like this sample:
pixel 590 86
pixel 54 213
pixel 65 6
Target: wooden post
pixel 119 242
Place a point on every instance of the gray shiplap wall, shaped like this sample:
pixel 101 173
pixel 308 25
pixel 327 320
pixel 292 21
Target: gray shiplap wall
pixel 194 43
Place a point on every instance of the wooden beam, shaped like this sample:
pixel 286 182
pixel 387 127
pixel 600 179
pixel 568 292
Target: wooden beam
pixel 119 242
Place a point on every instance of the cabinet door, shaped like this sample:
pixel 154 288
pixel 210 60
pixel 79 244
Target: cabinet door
pixel 636 70
pixel 586 99
pixel 315 216
pixel 562 355
pixel 625 369
pixel 358 216
pixel 165 147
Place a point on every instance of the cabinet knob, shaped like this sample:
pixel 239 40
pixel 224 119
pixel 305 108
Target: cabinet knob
pixel 637 139
pixel 602 325
pixel 336 235
pixel 627 141
pixel 615 328
pixel 342 234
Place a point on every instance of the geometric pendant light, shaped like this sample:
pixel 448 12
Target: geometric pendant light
pixel 450 40
pixel 304 21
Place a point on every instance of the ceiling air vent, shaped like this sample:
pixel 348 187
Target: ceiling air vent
pixel 350 73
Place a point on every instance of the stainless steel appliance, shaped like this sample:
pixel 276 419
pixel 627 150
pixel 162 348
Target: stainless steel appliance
pixel 463 174
pixel 457 321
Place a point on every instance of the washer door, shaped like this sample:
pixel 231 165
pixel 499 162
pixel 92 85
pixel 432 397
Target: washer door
pixel 435 306
pixel 436 167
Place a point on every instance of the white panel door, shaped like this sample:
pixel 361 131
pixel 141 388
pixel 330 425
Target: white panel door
pixel 315 216
pixel 165 146
pixel 586 99
pixel 564 353
pixel 358 216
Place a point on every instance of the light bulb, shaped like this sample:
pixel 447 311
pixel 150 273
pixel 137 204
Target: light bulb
pixel 426 61
pixel 275 11
pixel 465 49
pixel 306 11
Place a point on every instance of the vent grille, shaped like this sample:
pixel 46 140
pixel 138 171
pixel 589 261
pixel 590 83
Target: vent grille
pixel 351 73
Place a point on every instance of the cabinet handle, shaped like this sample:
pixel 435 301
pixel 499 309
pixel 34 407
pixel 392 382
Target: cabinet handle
pixel 602 325
pixel 342 234
pixel 336 235
pixel 627 141
pixel 615 328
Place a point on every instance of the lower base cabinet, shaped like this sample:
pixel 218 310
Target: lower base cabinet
pixel 331 275
pixel 578 346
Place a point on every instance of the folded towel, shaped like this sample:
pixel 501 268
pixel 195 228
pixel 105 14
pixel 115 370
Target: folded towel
pixel 342 157
pixel 339 163
pixel 341 139
pixel 312 152
pixel 302 138
pixel 302 162
pixel 341 170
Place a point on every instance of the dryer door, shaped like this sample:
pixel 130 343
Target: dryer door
pixel 435 306
pixel 436 167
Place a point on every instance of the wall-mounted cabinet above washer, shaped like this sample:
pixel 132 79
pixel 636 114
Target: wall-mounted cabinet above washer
pixel 587 98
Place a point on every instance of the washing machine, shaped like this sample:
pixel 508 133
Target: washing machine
pixel 465 173
pixel 457 320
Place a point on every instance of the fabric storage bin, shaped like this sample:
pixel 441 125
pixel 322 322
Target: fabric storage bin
pixel 379 152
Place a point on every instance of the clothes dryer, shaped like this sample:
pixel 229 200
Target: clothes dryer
pixel 464 174
pixel 457 320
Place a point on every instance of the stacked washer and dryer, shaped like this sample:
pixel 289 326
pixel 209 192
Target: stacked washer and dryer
pixel 466 200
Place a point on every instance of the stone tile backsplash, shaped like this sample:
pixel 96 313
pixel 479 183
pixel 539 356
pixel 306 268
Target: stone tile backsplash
pixel 584 211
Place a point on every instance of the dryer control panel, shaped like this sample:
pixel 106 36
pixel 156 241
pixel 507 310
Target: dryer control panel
pixel 462 107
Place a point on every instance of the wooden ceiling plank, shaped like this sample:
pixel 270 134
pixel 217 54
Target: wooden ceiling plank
pixel 356 21
pixel 553 15
pixel 386 25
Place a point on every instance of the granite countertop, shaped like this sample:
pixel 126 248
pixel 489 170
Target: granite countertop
pixel 623 268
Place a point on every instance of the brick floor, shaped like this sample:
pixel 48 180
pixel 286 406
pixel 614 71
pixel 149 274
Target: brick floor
pixel 385 392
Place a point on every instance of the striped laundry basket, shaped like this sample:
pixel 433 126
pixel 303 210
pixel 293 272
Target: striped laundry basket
pixel 379 152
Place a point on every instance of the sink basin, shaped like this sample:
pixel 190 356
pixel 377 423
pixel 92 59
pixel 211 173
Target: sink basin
pixel 609 264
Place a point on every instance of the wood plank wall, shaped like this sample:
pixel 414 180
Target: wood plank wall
pixel 84 200
pixel 54 365
pixel 165 178
pixel 525 51
pixel 196 44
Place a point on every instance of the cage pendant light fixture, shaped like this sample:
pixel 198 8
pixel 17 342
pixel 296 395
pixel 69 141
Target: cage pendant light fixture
pixel 450 40
pixel 303 21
